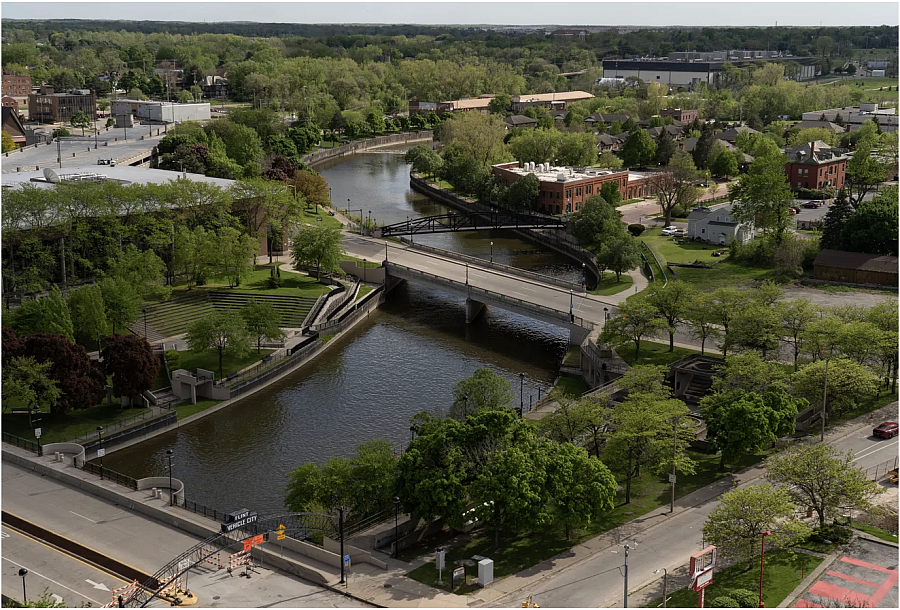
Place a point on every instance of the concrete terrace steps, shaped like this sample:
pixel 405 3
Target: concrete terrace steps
pixel 169 318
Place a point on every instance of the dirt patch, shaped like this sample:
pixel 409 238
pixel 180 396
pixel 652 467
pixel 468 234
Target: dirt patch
pixel 818 296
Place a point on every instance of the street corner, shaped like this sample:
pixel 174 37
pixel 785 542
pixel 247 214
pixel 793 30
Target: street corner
pixel 864 577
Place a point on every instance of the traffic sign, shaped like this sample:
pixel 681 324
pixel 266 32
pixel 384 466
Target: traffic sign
pixel 280 532
pixel 37 433
pixel 101 452
pixel 672 478
pixel 346 559
pixel 248 519
pixel 184 564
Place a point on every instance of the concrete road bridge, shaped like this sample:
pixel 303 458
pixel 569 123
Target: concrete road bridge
pixel 481 285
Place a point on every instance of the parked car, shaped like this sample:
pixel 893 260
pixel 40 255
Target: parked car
pixel 792 211
pixel 670 230
pixel 680 233
pixel 813 204
pixel 886 429
pixel 111 162
pixel 795 210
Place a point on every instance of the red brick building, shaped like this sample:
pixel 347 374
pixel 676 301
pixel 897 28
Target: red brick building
pixel 681 114
pixel 563 190
pixel 19 86
pixel 7 101
pixel 815 165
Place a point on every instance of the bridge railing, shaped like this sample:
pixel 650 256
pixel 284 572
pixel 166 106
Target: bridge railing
pixel 546 279
pixel 473 291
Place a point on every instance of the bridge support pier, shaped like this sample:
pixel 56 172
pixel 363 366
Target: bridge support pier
pixel 473 310
pixel 577 334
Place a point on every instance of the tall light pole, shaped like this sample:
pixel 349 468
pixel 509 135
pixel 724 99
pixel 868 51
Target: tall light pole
pixel 467 274
pixel 364 271
pixel 23 572
pixel 625 573
pixel 762 557
pixel 674 457
pixel 492 252
pixel 571 305
pixel 396 526
pixel 521 395
pixel 100 451
pixel 824 399
pixel 665 584
pixel 584 277
pixel 171 492
pixel 144 309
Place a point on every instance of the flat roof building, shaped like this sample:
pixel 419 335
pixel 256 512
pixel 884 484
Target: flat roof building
pixel 553 101
pixel 689 73
pixel 160 112
pixel 50 107
pixel 854 116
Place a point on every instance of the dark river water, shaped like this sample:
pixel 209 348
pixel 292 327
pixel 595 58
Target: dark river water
pixel 407 357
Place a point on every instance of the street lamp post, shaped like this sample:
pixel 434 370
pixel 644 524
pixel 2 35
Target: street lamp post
pixel 100 451
pixel 824 400
pixel 606 314
pixel 571 305
pixel 762 558
pixel 396 526
pixel 412 434
pixel 385 252
pixel 665 584
pixel 23 572
pixel 467 274
pixel 492 252
pixel 584 277
pixel 521 394
pixel 465 406
pixel 144 309
pixel 171 492
pixel 364 271
pixel 674 456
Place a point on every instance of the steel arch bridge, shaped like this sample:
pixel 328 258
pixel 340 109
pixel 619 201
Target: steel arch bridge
pixel 297 525
pixel 472 221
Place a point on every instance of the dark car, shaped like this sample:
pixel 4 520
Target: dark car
pixel 886 429
pixel 811 205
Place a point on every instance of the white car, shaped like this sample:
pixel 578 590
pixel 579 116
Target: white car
pixel 670 230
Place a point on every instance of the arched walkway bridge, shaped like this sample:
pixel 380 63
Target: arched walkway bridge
pixel 471 221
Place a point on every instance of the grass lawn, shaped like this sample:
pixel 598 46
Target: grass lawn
pixel 57 428
pixel 627 201
pixel 674 253
pixel 874 531
pixel 573 356
pixel 724 275
pixel 783 572
pixel 360 264
pixel 609 286
pixel 653 353
pixel 572 387
pixel 295 284
pixel 866 405
pixel 363 291
pixel 310 217
pixel 187 409
pixel 518 553
pixel 209 360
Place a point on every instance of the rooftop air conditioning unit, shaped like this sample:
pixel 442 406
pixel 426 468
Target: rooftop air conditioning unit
pixel 561 177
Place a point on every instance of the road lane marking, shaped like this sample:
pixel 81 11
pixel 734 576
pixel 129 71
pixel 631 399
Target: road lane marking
pixel 869 452
pixel 82 516
pixel 96 585
pixel 32 571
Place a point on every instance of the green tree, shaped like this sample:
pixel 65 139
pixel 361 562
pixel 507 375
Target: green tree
pixel 675 185
pixel 673 302
pixel 88 312
pixel 592 219
pixel 121 302
pixel 639 149
pixel 235 255
pixel 500 103
pixel 49 314
pixel 483 390
pixel 80 119
pixel 223 331
pixel 478 135
pixel 28 384
pixel 610 193
pixel 848 383
pixel 873 227
pixel 704 146
pixel 608 160
pixel 262 322
pixel 636 320
pixel 618 252
pixel 184 97
pixel 143 270
pixel 796 316
pixel 581 487
pixel 319 246
pixel 576 148
pixel 748 372
pixel 642 436
pixel 701 322
pixel 725 164
pixel 757 326
pixel 838 213
pixel 665 147
pixel 196 93
pixel 523 193
pixel 864 172
pixel 763 197
pixel 535 145
pixel 743 515
pixel 820 477
pixel 8 143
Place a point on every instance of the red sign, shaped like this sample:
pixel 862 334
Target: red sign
pixel 249 543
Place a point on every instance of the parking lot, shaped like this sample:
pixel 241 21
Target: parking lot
pixel 864 577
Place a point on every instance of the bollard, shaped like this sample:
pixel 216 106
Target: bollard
pixel 57 457
pixel 154 492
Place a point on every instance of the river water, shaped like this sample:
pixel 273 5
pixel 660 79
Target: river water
pixel 407 357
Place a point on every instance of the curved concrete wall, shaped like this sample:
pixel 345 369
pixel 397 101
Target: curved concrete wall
pixel 163 483
pixel 71 450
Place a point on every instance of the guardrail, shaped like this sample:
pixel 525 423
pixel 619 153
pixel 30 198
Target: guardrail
pixel 359 145
pixel 880 471
pixel 200 509
pixel 546 279
pixel 161 421
pixel 359 308
pixel 106 473
pixel 353 529
pixel 661 269
pixel 119 425
pixel 24 443
pixel 496 296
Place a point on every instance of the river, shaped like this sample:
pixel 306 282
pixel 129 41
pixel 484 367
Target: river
pixel 407 357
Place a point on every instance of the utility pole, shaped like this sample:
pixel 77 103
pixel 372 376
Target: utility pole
pixel 674 457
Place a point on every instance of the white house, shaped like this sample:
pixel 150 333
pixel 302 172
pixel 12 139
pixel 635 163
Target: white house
pixel 715 225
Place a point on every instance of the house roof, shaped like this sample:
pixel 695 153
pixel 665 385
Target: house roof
pixel 689 144
pixel 720 223
pixel 468 104
pixel 562 96
pixel 730 135
pixel 12 125
pixel 814 153
pixel 598 117
pixel 856 260
pixel 520 119
pixel 820 125
pixel 607 140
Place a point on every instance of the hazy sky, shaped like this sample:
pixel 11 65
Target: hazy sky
pixel 517 12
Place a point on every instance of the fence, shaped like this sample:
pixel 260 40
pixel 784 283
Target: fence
pixel 106 473
pixel 124 423
pixel 880 471
pixel 285 362
pixel 200 509
pixel 350 316
pixel 653 254
pixel 339 302
pixel 22 442
pixel 162 421
pixel 546 279
pixel 358 145
pixel 352 529
pixel 647 266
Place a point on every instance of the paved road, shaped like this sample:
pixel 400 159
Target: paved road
pixel 597 581
pixel 61 575
pixel 129 538
pixel 45 155
pixel 868 450
pixel 588 307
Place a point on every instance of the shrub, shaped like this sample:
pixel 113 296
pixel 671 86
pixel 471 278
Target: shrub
pixel 735 598
pixel 173 358
pixel 825 193
pixel 636 229
pixel 832 531
pixel 274 281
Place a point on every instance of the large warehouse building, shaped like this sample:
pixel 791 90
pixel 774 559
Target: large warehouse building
pixel 160 112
